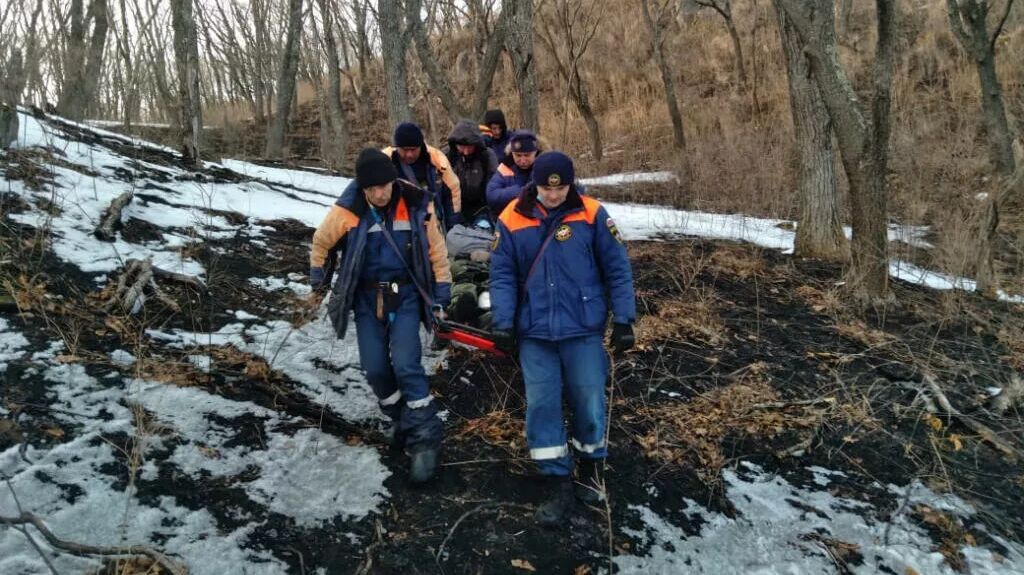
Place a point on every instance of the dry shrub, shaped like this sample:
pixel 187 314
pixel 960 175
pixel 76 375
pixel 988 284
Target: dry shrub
pixel 497 428
pixel 859 331
pixel 681 320
pixel 695 430
pixel 29 293
pixel 1013 338
pixel 821 301
pixel 168 371
pixel 139 565
pixel 252 366
pixel 738 261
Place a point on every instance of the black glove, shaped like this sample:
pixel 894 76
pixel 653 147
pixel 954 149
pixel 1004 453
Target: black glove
pixel 622 337
pixel 503 340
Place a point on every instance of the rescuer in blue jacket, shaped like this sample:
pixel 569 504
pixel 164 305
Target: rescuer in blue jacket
pixel 558 265
pixel 394 274
pixel 514 171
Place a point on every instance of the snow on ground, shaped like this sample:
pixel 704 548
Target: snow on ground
pixel 779 529
pixel 12 344
pixel 630 178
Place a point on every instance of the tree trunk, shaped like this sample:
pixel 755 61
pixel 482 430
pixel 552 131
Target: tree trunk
pixel 737 47
pixel 83 63
pixel 863 139
pixel 654 26
pixel 186 57
pixel 437 79
pixel 819 232
pixel 1000 142
pixel 286 80
pixel 394 43
pixel 489 64
pixel 12 84
pixel 987 280
pixel 336 158
pixel 520 47
pixel 968 18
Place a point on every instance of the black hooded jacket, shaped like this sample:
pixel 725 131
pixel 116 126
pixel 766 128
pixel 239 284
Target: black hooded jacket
pixel 473 171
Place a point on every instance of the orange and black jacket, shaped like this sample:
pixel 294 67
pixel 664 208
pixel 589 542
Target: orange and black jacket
pixel 582 273
pixel 438 179
pixel 343 236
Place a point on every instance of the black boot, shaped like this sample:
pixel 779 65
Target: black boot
pixel 553 511
pixel 588 487
pixel 423 465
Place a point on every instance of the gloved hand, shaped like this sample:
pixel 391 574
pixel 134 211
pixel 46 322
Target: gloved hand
pixel 503 340
pixel 622 337
pixel 316 278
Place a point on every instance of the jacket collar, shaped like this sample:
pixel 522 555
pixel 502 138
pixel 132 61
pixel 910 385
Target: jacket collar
pixel 355 200
pixel 528 204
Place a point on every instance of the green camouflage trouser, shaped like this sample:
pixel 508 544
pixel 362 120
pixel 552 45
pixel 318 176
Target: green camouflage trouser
pixel 469 280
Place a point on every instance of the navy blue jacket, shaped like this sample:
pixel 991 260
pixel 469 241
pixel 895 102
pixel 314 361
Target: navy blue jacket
pixel 506 185
pixel 582 273
pixel 345 231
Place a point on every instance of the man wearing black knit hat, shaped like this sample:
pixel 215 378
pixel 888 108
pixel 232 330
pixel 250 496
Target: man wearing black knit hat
pixel 393 274
pixel 427 167
pixel 496 132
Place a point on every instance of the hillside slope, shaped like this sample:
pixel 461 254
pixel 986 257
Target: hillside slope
pixel 759 426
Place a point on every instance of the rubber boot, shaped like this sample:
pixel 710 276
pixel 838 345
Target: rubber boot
pixel 553 511
pixel 588 487
pixel 423 465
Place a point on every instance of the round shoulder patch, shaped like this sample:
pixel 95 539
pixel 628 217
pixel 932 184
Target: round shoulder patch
pixel 563 232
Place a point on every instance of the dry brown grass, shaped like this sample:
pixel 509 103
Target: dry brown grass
pixel 859 331
pixel 694 431
pixel 681 321
pixel 498 428
pixel 829 302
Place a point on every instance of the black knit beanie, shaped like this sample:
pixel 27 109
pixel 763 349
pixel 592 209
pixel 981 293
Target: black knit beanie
pixel 408 135
pixel 495 116
pixel 374 168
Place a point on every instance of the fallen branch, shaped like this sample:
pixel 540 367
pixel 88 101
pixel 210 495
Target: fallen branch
pixel 190 281
pixel 110 221
pixel 82 550
pixel 986 433
pixel 785 404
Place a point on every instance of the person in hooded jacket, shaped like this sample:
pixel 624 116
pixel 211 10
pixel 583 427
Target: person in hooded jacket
pixel 394 275
pixel 474 164
pixel 558 265
pixel 514 172
pixel 427 167
pixel 496 132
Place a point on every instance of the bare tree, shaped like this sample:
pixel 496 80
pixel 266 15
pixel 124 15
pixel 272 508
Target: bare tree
pixel 394 41
pixel 862 133
pixel 519 43
pixel 186 58
pixel 567 30
pixel 83 58
pixel 657 16
pixel 338 124
pixel 724 9
pixel 819 233
pixel 969 19
pixel 286 80
pixel 12 83
pixel 1011 190
pixel 491 45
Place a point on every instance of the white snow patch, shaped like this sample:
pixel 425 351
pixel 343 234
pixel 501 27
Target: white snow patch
pixel 244 315
pixel 630 178
pixel 769 534
pixel 277 284
pixel 122 358
pixel 11 344
pixel 304 477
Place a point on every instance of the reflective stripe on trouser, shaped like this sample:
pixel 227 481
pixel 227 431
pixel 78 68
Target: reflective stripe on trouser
pixel 390 354
pixel 577 368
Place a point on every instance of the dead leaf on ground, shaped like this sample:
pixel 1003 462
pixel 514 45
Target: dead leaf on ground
pixel 523 564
